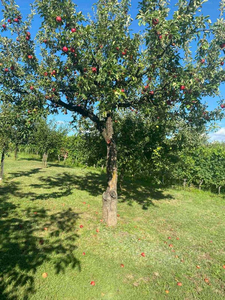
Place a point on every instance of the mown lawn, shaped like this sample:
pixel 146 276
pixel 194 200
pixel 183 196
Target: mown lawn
pixel 50 222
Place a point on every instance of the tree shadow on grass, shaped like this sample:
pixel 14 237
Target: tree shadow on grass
pixel 29 159
pixel 25 173
pixel 31 237
pixel 95 184
pixel 143 193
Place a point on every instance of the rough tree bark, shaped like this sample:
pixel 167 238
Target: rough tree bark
pixel 2 163
pixel 109 197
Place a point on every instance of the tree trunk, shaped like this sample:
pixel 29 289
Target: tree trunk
pixel 16 152
pixel 44 160
pixel 200 184
pixel 219 188
pixel 109 197
pixel 2 163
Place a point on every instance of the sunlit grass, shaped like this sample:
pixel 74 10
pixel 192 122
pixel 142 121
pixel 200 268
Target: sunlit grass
pixel 180 235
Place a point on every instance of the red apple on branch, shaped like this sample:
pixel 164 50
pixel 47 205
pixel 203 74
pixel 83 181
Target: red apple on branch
pixel 94 70
pixel 4 26
pixel 65 49
pixel 155 21
pixel 73 30
pixel 182 87
pixel 58 19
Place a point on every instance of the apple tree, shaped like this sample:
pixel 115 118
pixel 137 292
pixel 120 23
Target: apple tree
pixel 97 66
pixel 15 128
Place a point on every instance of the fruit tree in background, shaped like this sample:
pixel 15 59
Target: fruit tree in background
pixel 95 67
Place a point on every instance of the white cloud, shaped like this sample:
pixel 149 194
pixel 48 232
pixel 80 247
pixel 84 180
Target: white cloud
pixel 219 135
pixel 60 122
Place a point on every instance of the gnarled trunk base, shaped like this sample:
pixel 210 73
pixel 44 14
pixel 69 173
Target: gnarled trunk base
pixel 109 202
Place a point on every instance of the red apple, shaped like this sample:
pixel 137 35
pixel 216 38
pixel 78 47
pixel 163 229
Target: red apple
pixel 222 105
pixel 83 253
pixel 54 72
pixel 81 226
pixel 9 21
pixel 45 41
pixel 65 49
pixel 72 50
pixel 224 266
pixel 117 48
pixel 12 68
pixel 202 61
pixel 45 74
pixel 92 283
pixel 30 56
pixel 160 36
pixel 151 92
pixel 97 230
pixel 170 245
pixel 155 21
pixel 124 53
pixel 6 70
pixel 73 30
pixel 27 38
pixel 94 70
pixel 53 89
pixel 58 19
pixel 28 33
pixel 143 254
pixel 122 265
pixel 85 69
pixel 222 45
pixel 122 90
pixel 179 284
pixel 31 88
pixel 4 26
pixel 16 20
pixel 206 280
pixel 198 267
pixel 222 63
pixel 182 87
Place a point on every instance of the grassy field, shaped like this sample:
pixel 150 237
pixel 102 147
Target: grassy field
pixel 169 243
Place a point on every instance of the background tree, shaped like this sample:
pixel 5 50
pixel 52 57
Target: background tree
pixel 15 128
pixel 48 138
pixel 94 67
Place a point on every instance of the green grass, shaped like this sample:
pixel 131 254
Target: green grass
pixel 41 211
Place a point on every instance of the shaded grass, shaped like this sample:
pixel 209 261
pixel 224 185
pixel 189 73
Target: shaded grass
pixel 41 211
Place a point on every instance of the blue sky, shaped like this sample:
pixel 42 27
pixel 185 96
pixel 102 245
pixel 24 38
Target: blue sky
pixel 209 8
